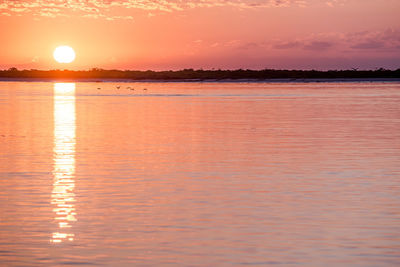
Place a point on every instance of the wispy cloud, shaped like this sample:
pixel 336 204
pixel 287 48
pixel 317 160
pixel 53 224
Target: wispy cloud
pixel 384 41
pixel 102 8
pixel 369 45
pixel 388 39
pixel 287 45
pixel 318 45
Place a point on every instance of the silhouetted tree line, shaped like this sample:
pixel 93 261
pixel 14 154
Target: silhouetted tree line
pixel 200 74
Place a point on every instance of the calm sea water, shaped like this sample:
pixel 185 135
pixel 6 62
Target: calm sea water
pixel 199 174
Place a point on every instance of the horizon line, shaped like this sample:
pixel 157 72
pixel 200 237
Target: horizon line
pixel 94 69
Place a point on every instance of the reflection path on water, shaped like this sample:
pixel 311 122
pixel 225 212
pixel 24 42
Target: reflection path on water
pixel 63 196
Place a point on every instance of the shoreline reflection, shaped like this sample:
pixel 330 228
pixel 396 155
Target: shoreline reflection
pixel 63 196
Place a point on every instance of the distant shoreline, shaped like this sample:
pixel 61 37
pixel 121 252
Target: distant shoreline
pixel 292 80
pixel 200 75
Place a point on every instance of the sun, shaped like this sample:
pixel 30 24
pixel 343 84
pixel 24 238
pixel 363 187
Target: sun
pixel 64 54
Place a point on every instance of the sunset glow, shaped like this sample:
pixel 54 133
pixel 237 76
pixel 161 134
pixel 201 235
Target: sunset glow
pixel 200 133
pixel 162 35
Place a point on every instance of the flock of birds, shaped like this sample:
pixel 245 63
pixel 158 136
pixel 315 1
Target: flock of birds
pixel 129 88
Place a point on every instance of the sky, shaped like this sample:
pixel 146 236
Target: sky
pixel 178 34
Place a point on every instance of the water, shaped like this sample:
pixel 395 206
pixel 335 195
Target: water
pixel 200 174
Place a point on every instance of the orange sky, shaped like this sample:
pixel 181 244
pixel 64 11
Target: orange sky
pixel 171 34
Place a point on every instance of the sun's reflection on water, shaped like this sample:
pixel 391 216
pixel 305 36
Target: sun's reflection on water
pixel 63 196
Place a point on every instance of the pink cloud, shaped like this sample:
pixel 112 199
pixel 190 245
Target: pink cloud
pixel 318 45
pixel 385 40
pixel 101 8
